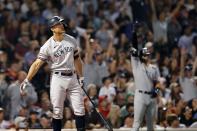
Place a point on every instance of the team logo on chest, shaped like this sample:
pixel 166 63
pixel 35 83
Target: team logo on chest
pixel 62 51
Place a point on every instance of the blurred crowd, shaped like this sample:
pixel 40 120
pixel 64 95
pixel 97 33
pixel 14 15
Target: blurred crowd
pixel 103 28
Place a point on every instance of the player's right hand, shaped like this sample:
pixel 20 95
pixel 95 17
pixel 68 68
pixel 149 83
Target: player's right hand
pixel 23 87
pixel 81 81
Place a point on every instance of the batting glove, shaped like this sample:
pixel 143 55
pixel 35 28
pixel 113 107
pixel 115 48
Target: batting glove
pixel 81 81
pixel 23 87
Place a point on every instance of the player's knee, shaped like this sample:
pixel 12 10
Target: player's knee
pixel 57 113
pixel 80 111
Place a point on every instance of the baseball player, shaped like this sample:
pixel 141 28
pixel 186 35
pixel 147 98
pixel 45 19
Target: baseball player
pixel 144 76
pixel 61 53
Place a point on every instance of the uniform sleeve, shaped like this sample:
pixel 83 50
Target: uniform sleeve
pixel 43 54
pixel 134 62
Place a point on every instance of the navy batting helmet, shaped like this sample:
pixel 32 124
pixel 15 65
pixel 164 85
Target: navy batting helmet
pixel 188 67
pixel 56 20
pixel 144 52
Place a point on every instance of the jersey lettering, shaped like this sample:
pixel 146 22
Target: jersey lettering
pixel 62 51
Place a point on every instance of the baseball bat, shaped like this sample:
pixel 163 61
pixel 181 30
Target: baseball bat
pixel 107 125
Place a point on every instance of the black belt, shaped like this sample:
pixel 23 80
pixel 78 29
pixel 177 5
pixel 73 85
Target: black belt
pixel 64 73
pixel 145 92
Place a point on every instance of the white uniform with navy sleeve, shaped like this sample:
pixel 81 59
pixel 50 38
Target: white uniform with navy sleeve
pixel 60 58
pixel 143 103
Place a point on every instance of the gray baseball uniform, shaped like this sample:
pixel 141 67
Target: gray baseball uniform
pixel 143 103
pixel 60 57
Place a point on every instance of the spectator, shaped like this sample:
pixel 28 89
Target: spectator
pixel 121 88
pixel 68 118
pixel 45 107
pixel 31 55
pixel 121 63
pixel 69 124
pixel 173 121
pixel 160 32
pixel 48 12
pixel 69 9
pixel 3 123
pixel 186 118
pixel 179 107
pixel 126 110
pixel 186 39
pixel 92 118
pixel 107 90
pixel 164 91
pixel 194 109
pixel 13 69
pixel 128 122
pixel 194 48
pixel 104 106
pixel 176 93
pixel 33 121
pixel 186 79
pixel 23 46
pixel 3 59
pixel 20 120
pixel 114 116
pixel 103 35
pixel 3 86
pixel 95 68
pixel 45 122
pixel 93 94
pixel 173 35
pixel 16 100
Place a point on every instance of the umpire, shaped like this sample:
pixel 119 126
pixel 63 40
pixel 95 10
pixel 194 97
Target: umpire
pixel 145 77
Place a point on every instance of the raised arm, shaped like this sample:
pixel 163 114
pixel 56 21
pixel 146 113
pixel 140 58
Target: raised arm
pixel 134 49
pixel 152 5
pixel 182 62
pixel 109 49
pixel 194 66
pixel 134 46
pixel 88 51
pixel 176 10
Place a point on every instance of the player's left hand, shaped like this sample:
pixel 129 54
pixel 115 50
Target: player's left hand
pixel 23 87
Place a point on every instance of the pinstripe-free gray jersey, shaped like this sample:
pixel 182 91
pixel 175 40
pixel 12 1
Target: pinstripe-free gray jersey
pixel 59 55
pixel 144 75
